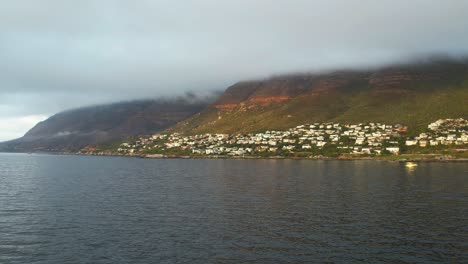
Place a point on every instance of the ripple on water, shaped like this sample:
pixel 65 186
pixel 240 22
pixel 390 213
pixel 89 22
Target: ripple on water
pixel 68 209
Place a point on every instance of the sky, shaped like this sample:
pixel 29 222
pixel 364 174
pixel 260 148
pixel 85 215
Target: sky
pixel 62 54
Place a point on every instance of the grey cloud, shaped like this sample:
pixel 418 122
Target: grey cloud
pixel 58 54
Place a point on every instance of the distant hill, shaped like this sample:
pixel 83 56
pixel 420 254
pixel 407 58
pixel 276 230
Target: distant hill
pixel 410 94
pixel 75 129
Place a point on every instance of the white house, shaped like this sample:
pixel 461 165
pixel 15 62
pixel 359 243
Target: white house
pixel 411 142
pixel 393 150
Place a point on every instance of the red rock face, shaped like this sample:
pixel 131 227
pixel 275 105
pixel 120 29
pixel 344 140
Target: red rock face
pixel 281 89
pixel 225 107
pixel 235 95
pixel 391 81
pixel 268 100
pixel 256 93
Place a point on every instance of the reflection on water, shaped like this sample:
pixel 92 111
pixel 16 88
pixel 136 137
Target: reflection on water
pixel 67 209
pixel 410 167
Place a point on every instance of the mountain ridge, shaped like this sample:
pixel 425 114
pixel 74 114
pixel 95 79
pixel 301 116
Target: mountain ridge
pixel 413 94
pixel 410 94
pixel 74 129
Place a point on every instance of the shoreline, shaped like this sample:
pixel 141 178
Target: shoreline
pixel 152 156
pixel 435 158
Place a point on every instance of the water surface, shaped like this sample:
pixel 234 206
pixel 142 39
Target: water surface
pixel 74 209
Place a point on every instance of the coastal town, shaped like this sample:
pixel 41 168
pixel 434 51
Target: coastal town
pixel 311 140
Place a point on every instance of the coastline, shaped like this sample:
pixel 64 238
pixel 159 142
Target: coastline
pixel 399 158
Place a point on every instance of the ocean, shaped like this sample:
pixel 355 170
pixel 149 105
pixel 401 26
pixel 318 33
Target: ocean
pixel 80 209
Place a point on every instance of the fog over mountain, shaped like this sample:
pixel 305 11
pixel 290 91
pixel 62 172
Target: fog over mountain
pixel 62 54
pixel 75 129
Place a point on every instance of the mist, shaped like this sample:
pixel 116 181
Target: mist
pixel 63 54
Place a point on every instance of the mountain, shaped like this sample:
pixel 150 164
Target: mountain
pixel 74 129
pixel 410 94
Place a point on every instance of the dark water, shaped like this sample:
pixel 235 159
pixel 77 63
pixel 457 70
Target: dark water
pixel 70 209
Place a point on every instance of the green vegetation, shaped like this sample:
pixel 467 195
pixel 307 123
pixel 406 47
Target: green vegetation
pixel 414 108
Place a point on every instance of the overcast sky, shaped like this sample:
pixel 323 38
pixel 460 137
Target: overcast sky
pixel 61 54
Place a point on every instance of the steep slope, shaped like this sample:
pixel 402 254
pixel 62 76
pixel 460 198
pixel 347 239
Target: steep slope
pixel 75 129
pixel 412 94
